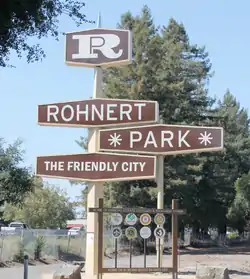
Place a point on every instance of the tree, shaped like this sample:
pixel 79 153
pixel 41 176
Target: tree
pixel 45 207
pixel 20 20
pixel 239 212
pixel 169 69
pixel 226 167
pixel 15 181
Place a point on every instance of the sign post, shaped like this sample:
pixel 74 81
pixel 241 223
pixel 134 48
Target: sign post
pixel 162 139
pixel 145 232
pixel 101 48
pixel 95 190
pixel 160 203
pixel 96 48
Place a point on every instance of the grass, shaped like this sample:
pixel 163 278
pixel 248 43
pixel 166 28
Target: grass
pixel 232 235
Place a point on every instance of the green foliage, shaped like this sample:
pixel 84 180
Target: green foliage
pixel 239 211
pixel 21 20
pixel 20 254
pixel 15 181
pixel 168 68
pixel 40 243
pixel 232 235
pixel 45 207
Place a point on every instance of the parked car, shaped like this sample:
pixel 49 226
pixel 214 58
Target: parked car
pixel 14 227
pixel 74 231
pixel 18 225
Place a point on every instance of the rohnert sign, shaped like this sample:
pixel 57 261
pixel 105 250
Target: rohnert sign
pixel 98 112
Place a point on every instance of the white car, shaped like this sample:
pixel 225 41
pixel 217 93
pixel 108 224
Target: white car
pixel 74 232
pixel 14 228
pixel 18 225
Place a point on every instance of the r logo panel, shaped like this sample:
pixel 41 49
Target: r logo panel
pixel 98 47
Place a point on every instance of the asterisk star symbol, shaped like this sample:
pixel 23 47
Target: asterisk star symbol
pixel 115 139
pixel 205 138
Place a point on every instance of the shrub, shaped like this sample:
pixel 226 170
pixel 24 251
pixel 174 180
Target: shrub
pixel 40 243
pixel 20 254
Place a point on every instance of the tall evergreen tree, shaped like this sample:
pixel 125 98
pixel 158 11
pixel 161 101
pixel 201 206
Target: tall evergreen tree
pixel 169 69
pixel 166 68
pixel 234 162
pixel 239 211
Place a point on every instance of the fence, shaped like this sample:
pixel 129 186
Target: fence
pixel 58 245
pixel 52 243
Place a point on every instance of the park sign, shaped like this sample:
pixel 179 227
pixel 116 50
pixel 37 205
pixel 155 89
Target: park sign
pixel 162 139
pixel 98 48
pixel 98 112
pixel 97 167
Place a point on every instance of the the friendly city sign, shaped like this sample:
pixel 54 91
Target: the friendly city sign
pixel 97 167
pixel 98 113
pixel 98 48
pixel 162 139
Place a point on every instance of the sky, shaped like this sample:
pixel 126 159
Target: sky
pixel 221 26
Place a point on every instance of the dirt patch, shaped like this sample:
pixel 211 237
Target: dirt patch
pixel 233 258
pixel 43 261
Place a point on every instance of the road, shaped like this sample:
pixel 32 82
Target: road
pixel 35 272
pixel 239 264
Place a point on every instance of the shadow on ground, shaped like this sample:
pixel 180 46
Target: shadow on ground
pixel 236 272
pixel 216 250
pixel 231 271
pixel 70 257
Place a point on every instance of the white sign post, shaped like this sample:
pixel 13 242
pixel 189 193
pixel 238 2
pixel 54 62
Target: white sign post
pixel 95 190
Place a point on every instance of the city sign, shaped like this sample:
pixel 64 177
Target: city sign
pixel 159 219
pixel 145 219
pixel 162 139
pixel 116 219
pixel 97 167
pixel 116 232
pixel 159 232
pixel 145 232
pixel 130 219
pixel 98 113
pixel 98 48
pixel 131 233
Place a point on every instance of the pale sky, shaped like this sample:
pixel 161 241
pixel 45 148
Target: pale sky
pixel 222 26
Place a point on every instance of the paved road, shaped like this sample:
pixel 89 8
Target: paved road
pixel 35 272
pixel 238 263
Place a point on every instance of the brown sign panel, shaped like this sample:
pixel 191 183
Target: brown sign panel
pixel 162 139
pixel 97 167
pixel 98 47
pixel 136 269
pixel 138 210
pixel 98 112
